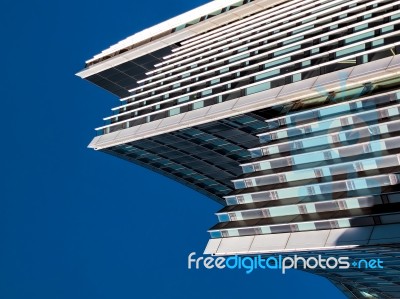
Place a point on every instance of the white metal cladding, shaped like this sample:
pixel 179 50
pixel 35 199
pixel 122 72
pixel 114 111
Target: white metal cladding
pixel 329 136
pixel 309 222
pixel 241 78
pixel 376 181
pixel 335 122
pixel 222 34
pixel 173 38
pixel 356 185
pixel 211 59
pixel 167 25
pixel 317 110
pixel 327 155
pixel 227 28
pixel 384 68
pixel 230 42
pixel 261 72
pixel 303 241
pixel 244 77
pixel 309 226
pixel 358 145
pixel 390 161
pixel 249 85
pixel 267 27
pixel 294 209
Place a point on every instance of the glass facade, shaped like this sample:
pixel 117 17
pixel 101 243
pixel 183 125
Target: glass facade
pixel 165 33
pixel 271 53
pixel 323 164
pixel 205 158
pixel 320 160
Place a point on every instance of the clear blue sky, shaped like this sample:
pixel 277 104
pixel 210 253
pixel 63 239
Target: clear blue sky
pixel 75 223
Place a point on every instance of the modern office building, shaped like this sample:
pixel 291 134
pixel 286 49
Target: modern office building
pixel 285 112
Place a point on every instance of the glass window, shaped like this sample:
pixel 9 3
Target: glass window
pixel 395 17
pixel 308 20
pixel 296 77
pixel 359 37
pixel 183 99
pixel 281 211
pixel 378 42
pixel 303 29
pixel 324 38
pixel 306 226
pixel 387 29
pixel 288 50
pixel 239 185
pixel 367 16
pixel 215 81
pixel 223 217
pixel 231 201
pixel 267 75
pixel 258 88
pixel 361 27
pixel 239 57
pixel 233 232
pixel 276 62
pixel 247 168
pixel 315 50
pixel 293 40
pixel 215 234
pixel 206 92
pixel 395 218
pixel 174 111
pixel 349 51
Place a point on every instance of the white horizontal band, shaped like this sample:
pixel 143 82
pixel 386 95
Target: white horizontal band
pixel 247 22
pixel 222 29
pixel 325 119
pixel 261 47
pixel 257 83
pixel 256 56
pixel 165 26
pixel 222 44
pixel 314 137
pixel 321 184
pixel 263 71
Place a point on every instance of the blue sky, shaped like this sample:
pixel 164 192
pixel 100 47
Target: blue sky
pixel 75 223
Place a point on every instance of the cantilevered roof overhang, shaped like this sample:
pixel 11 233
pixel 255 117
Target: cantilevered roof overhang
pixel 118 68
